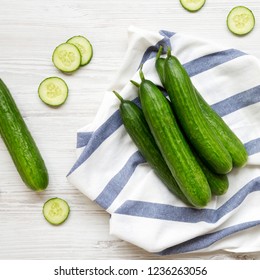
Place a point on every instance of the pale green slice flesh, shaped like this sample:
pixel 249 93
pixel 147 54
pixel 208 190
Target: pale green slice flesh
pixel 66 57
pixel 56 210
pixel 192 5
pixel 240 20
pixel 84 47
pixel 53 91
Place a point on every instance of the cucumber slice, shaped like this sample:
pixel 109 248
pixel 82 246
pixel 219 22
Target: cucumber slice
pixel 53 91
pixel 66 57
pixel 84 47
pixel 56 211
pixel 240 20
pixel 192 5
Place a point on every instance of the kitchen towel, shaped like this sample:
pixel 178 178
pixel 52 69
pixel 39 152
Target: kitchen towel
pixel 110 170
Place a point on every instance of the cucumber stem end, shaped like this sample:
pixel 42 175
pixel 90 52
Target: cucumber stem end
pixel 118 96
pixel 168 52
pixel 141 73
pixel 159 52
pixel 135 83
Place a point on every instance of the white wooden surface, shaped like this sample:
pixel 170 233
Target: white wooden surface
pixel 29 30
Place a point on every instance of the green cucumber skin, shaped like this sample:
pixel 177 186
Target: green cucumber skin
pixel 229 139
pixel 91 56
pixel 218 182
pixel 174 149
pixel 159 66
pixel 190 10
pixel 20 143
pixel 137 128
pixel 188 111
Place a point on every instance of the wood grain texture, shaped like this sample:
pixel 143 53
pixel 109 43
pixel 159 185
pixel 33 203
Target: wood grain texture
pixel 29 31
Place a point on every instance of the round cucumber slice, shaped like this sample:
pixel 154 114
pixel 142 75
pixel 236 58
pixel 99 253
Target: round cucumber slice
pixel 192 5
pixel 84 47
pixel 240 20
pixel 66 57
pixel 56 210
pixel 53 91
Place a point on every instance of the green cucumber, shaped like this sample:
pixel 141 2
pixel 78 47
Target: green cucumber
pixel 56 210
pixel 218 182
pixel 159 66
pixel 84 47
pixel 192 5
pixel 194 124
pixel 66 57
pixel 53 91
pixel 20 143
pixel 173 147
pixel 240 20
pixel 229 139
pixel 138 129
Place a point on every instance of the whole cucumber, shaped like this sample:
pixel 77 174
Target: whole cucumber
pixel 218 182
pixel 190 115
pixel 20 143
pixel 229 139
pixel 174 149
pixel 138 129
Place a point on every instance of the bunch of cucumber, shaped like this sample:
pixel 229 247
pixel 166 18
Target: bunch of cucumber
pixel 184 140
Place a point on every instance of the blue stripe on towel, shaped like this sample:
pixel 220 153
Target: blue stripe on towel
pixel 187 214
pixel 212 60
pixel 167 34
pixel 83 138
pixel 238 101
pixel 253 146
pixel 207 240
pixel 117 183
pixel 152 51
pixel 98 137
pixel 190 215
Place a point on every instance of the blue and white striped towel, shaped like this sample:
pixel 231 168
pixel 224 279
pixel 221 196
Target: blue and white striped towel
pixel 112 173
